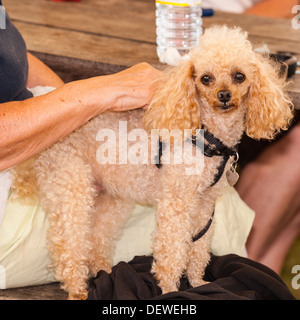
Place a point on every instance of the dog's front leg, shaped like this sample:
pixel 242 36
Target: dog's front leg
pixel 199 256
pixel 171 242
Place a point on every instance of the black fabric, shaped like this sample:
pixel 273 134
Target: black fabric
pixel 231 278
pixel 13 65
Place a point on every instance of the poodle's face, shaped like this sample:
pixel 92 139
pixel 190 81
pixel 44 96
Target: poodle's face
pixel 224 69
pixel 223 75
pixel 224 87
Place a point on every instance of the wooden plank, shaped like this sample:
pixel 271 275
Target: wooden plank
pixel 131 19
pixel 276 44
pixel 44 292
pixel 77 68
pixel 77 45
pixel 257 26
pixel 128 19
pixel 135 20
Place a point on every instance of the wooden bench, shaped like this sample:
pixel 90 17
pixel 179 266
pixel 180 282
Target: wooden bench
pixel 44 292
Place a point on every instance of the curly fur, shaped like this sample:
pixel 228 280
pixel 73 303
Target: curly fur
pixel 88 203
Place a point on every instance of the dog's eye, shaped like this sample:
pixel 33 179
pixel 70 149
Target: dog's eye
pixel 239 77
pixel 206 80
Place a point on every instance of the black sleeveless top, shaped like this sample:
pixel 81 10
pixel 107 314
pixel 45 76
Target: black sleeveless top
pixel 13 63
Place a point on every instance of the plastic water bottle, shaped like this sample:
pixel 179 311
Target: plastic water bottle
pixel 178 25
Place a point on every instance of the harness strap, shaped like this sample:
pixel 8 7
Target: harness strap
pixel 220 171
pixel 158 157
pixel 205 229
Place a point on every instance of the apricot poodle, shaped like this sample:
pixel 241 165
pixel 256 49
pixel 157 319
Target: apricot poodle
pixel 226 89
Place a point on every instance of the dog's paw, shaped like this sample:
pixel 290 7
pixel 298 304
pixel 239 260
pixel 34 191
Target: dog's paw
pixel 95 269
pixel 164 279
pixel 166 288
pixel 99 263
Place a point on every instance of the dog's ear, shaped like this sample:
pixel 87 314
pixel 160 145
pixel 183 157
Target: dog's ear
pixel 269 108
pixel 175 104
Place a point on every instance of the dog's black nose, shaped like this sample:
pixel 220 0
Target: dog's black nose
pixel 224 96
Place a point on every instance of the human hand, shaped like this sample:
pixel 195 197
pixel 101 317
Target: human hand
pixel 134 87
pixel 126 90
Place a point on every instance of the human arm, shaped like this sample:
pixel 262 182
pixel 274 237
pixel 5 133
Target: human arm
pixel 41 75
pixel 273 8
pixel 28 127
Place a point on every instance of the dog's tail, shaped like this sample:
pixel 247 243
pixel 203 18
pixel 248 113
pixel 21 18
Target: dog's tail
pixel 24 184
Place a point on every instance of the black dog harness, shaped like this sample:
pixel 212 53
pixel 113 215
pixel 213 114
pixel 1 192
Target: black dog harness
pixel 212 147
